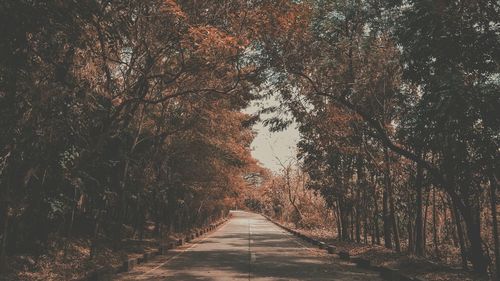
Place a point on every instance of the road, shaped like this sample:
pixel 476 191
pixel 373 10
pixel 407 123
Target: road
pixel 248 247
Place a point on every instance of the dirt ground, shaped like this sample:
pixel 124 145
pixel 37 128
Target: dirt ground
pixel 378 255
pixel 55 264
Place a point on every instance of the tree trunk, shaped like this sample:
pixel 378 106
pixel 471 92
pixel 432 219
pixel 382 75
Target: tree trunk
pixel 375 217
pixel 454 235
pixel 344 221
pixel 476 252
pixel 461 238
pixel 493 203
pixel 426 212
pixel 392 211
pixel 373 234
pixel 351 220
pixel 358 224
pixel 411 239
pixel 4 215
pixel 339 229
pixel 360 184
pixel 292 197
pixel 336 212
pixel 385 204
pixel 123 183
pixel 95 237
pixel 365 229
pixel 394 223
pixel 446 221
pixel 419 223
pixel 73 211
pixel 434 224
pixel 71 222
pixel 386 220
pixel 409 226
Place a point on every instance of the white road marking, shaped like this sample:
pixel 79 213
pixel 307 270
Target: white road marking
pixel 252 255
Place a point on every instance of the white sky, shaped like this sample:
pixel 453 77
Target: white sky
pixel 267 146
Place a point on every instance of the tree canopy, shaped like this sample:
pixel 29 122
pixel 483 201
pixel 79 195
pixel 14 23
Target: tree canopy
pixel 117 114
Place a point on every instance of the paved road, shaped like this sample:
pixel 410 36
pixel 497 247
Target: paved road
pixel 248 247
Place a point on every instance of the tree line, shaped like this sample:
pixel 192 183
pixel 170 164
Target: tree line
pixel 116 114
pixel 397 104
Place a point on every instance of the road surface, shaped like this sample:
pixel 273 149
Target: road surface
pixel 248 247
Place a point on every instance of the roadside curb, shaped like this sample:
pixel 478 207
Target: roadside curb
pixel 106 273
pixel 386 273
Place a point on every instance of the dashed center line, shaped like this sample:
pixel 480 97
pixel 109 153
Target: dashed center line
pixel 250 254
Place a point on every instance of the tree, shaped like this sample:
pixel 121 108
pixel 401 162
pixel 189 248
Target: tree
pixel 437 115
pixel 116 114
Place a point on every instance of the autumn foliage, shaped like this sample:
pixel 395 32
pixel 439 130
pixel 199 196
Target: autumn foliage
pixel 124 119
pixel 120 119
pixel 397 108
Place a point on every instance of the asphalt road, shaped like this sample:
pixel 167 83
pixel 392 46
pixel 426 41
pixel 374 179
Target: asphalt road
pixel 248 247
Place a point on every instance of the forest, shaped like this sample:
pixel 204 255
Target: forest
pixel 125 119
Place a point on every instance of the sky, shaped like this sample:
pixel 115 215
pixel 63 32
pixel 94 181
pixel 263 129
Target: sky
pixel 268 147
